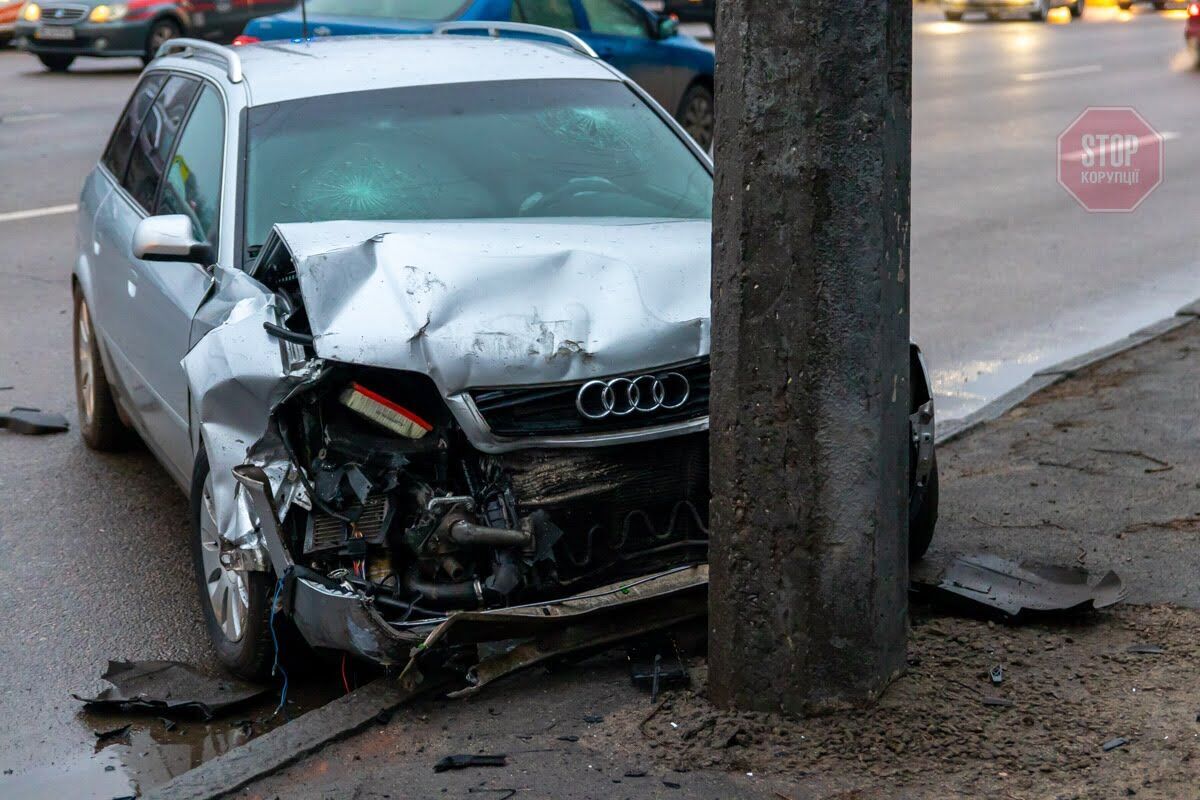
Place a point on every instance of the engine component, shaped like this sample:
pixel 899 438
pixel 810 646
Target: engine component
pixel 325 532
pixel 383 412
pixel 468 533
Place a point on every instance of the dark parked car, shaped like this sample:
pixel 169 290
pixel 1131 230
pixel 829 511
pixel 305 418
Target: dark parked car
pixel 675 69
pixel 58 32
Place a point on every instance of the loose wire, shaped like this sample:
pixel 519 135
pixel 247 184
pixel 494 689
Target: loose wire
pixel 275 640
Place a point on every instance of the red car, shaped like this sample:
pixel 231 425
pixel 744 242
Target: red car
pixel 8 19
pixel 1191 32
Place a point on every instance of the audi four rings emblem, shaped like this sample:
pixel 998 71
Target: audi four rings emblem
pixel 621 396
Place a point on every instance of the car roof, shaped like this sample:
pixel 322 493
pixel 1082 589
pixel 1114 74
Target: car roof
pixel 276 71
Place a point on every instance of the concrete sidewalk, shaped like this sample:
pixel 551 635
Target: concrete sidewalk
pixel 1102 469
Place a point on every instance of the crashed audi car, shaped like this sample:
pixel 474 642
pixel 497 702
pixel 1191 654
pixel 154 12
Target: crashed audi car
pixel 422 327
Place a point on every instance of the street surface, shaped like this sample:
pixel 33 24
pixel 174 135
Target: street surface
pixel 1009 274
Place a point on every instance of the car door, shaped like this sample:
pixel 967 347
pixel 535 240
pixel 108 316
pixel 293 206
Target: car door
pixel 161 298
pixel 111 234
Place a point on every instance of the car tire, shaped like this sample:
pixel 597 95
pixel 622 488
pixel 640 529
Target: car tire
pixel 1124 5
pixel 99 420
pixel 242 636
pixel 954 16
pixel 56 62
pixel 1077 9
pixel 163 30
pixel 697 114
pixel 1159 5
pixel 1042 12
pixel 922 516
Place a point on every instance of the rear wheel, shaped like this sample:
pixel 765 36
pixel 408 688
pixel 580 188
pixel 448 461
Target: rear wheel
pixel 56 62
pixel 236 604
pixel 954 16
pixel 99 421
pixel 1125 5
pixel 1077 9
pixel 161 32
pixel 697 114
pixel 1042 11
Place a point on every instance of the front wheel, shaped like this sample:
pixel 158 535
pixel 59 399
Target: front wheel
pixel 922 516
pixel 698 116
pixel 56 62
pixel 1124 5
pixel 954 16
pixel 1077 9
pixel 236 604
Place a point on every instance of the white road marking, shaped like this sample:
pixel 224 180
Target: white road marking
pixel 33 213
pixel 38 117
pixel 1060 73
pixel 1147 139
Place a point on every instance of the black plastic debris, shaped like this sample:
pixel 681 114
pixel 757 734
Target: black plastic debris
pixel 33 421
pixel 167 686
pixel 1145 649
pixel 1113 744
pixel 593 719
pixel 112 733
pixel 1015 589
pixel 468 760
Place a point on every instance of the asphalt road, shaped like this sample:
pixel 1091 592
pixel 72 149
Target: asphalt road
pixel 1009 273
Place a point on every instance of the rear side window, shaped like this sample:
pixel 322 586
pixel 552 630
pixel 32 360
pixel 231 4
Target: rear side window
pixel 551 13
pixel 615 18
pixel 156 137
pixel 193 181
pixel 116 156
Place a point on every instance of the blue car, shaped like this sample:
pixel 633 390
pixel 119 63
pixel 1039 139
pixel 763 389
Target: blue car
pixel 676 70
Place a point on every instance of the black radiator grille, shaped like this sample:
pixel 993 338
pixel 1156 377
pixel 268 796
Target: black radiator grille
pixel 550 410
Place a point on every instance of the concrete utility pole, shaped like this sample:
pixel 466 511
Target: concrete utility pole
pixel 810 353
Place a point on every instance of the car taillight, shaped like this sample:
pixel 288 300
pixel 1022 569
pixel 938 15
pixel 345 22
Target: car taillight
pixel 1194 9
pixel 244 39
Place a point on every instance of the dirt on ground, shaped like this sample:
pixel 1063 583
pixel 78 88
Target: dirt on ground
pixel 1069 689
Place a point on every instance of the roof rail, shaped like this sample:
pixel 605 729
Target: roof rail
pixel 189 47
pixel 495 28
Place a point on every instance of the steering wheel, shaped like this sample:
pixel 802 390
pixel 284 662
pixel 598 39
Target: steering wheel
pixel 572 188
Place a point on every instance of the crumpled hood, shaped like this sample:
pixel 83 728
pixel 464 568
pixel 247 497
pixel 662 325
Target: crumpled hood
pixel 501 303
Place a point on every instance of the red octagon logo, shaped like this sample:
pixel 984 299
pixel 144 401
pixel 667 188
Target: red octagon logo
pixel 1110 159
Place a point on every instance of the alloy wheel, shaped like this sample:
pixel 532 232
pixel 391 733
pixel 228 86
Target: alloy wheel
pixel 699 119
pixel 85 373
pixel 227 589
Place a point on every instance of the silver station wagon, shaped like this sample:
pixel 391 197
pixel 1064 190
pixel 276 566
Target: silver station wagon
pixel 421 325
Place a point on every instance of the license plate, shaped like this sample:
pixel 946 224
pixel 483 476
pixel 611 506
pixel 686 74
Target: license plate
pixel 55 33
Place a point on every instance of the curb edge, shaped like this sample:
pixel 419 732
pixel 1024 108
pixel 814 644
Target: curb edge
pixel 1048 376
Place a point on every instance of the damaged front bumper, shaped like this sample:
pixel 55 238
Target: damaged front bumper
pixel 340 617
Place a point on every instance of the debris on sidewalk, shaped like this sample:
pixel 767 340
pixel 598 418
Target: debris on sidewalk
pixel 33 421
pixel 469 760
pixel 1015 589
pixel 1145 649
pixel 167 686
pixel 1113 744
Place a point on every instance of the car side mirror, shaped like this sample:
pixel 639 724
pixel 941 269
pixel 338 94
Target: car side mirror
pixel 668 27
pixel 170 238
